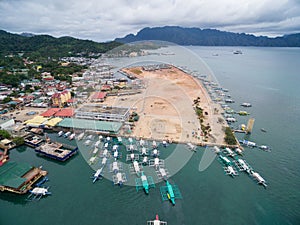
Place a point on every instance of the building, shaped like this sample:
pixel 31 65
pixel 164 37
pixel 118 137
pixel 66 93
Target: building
pixel 60 98
pixel 19 177
pixel 104 113
pixel 65 113
pixel 50 112
pixel 83 124
pixel 5 123
pixel 98 97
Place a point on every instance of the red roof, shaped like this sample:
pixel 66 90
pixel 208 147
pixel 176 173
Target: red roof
pixel 106 87
pixel 50 112
pixel 67 112
pixel 99 95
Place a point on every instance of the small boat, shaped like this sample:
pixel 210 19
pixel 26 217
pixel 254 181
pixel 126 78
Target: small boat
pixel 67 134
pixel 265 148
pixel 246 104
pixel 72 136
pixel 37 193
pixel 237 52
pixel 156 221
pixel 263 130
pixel 60 133
pixel 97 175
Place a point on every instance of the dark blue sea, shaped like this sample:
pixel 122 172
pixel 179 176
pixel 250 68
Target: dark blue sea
pixel 269 79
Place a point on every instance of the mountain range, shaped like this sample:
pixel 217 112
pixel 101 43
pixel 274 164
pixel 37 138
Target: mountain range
pixel 209 37
pixel 49 46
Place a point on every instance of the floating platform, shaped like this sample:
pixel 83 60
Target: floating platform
pixel 56 151
pixel 33 141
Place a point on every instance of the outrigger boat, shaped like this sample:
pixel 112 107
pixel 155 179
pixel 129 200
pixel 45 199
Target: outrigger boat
pixel 229 152
pixel 37 193
pixel 144 182
pixel 246 104
pixel 72 136
pixel 242 165
pixel 42 181
pixel 156 221
pixel 265 148
pixel 170 192
pixel 97 175
pixel 119 179
pixel 80 136
pixel 229 170
pixel 258 178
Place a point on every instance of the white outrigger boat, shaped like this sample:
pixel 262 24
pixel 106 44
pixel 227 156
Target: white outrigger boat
pixel 37 193
pixel 229 170
pixel 156 221
pixel 97 175
pixel 258 178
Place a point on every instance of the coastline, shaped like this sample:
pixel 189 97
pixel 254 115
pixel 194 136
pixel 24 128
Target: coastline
pixel 166 107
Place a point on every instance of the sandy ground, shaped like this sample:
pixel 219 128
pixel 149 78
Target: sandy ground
pixel 166 107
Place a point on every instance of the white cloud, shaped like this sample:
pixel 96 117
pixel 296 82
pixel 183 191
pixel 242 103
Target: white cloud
pixel 106 20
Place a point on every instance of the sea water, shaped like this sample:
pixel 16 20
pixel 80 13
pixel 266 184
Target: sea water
pixel 269 79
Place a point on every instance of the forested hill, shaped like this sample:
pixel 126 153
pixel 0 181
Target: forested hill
pixel 209 37
pixel 39 45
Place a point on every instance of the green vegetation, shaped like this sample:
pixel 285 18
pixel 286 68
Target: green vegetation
pixel 4 134
pixel 18 140
pixel 229 136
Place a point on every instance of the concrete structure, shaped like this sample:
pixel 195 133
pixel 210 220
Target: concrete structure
pixel 100 112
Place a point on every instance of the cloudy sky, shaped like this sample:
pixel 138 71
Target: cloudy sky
pixel 104 20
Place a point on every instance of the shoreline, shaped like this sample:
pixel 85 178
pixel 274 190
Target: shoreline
pixel 185 88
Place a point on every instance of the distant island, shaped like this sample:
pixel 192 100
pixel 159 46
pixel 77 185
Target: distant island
pixel 209 37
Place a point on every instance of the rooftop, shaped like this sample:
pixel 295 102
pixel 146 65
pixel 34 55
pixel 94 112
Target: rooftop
pixel 11 174
pixel 67 112
pixel 91 124
pixel 50 112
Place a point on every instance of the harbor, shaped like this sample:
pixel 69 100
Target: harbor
pixel 206 190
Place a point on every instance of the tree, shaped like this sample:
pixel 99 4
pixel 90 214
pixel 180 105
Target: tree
pixel 4 134
pixel 229 136
pixel 18 140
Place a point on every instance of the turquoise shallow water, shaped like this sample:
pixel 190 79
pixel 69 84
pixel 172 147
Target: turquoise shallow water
pixel 266 77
